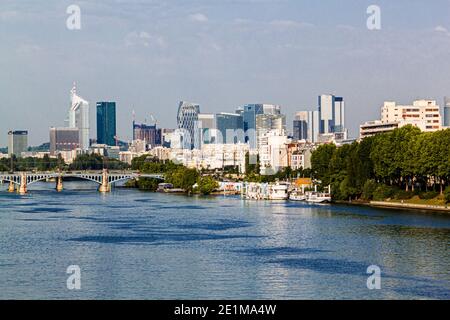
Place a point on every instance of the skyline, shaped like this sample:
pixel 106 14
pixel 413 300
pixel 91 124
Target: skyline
pixel 135 53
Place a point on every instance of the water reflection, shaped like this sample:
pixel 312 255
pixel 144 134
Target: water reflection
pixel 131 244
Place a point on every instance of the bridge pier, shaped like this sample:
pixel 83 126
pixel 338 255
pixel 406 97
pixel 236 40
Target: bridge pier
pixel 59 184
pixel 105 186
pixel 23 184
pixel 12 187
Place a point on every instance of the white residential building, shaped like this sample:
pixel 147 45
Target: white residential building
pixel 273 152
pixel 424 114
pixel 212 156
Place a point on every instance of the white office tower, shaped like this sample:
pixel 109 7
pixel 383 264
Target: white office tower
pixel 79 117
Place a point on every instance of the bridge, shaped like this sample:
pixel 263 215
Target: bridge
pixel 21 180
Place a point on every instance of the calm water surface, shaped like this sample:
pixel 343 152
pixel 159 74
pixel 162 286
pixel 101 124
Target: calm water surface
pixel 135 245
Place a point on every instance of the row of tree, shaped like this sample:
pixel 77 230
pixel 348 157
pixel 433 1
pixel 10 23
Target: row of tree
pixel 29 164
pixel 406 158
pixel 177 175
pixel 46 163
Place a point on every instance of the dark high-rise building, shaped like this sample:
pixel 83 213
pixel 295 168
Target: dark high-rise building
pixel 148 133
pixel 64 139
pixel 106 123
pixel 230 127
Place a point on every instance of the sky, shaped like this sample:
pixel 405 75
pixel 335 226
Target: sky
pixel 149 55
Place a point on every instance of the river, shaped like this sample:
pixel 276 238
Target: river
pixel 135 245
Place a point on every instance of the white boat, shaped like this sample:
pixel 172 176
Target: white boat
pixel 318 197
pixel 278 192
pixel 296 196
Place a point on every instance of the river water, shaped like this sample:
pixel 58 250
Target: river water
pixel 136 245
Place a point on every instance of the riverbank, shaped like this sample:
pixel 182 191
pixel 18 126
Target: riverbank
pixel 407 206
pixel 398 206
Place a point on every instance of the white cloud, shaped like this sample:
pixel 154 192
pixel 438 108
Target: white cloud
pixel 145 39
pixel 8 15
pixel 198 17
pixel 443 30
pixel 289 24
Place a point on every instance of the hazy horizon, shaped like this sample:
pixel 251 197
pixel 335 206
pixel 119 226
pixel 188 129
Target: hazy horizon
pixel 222 54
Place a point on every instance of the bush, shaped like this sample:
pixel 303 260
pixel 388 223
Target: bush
pixel 148 184
pixel 383 192
pixel 403 195
pixel 206 185
pixel 369 189
pixel 428 195
pixel 447 195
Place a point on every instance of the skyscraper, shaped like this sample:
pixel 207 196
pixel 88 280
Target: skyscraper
pixel 187 121
pixel 79 117
pixel 306 126
pixel 230 127
pixel 446 122
pixel 17 142
pixel 106 123
pixel 331 114
pixel 249 118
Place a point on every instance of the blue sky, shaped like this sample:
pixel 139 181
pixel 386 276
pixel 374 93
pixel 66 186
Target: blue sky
pixel 148 55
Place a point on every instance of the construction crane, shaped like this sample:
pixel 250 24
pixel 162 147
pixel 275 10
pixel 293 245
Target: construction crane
pixel 155 122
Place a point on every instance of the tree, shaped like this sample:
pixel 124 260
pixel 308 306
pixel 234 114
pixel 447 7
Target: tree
pixel 320 162
pixel 207 184
pixel 183 178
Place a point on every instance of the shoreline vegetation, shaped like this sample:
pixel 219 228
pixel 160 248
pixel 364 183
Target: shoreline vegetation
pixel 405 168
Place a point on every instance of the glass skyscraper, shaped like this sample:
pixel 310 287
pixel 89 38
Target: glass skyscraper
pixel 187 120
pixel 106 123
pixel 249 118
pixel 230 127
pixel 446 112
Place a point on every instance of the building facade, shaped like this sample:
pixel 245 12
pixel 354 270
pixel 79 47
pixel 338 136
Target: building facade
pixel 148 133
pixel 372 128
pixel 106 123
pixel 230 128
pixel 207 128
pixel 306 126
pixel 17 142
pixel 64 140
pixel 187 121
pixel 332 114
pixel 424 114
pixel 269 122
pixel 249 114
